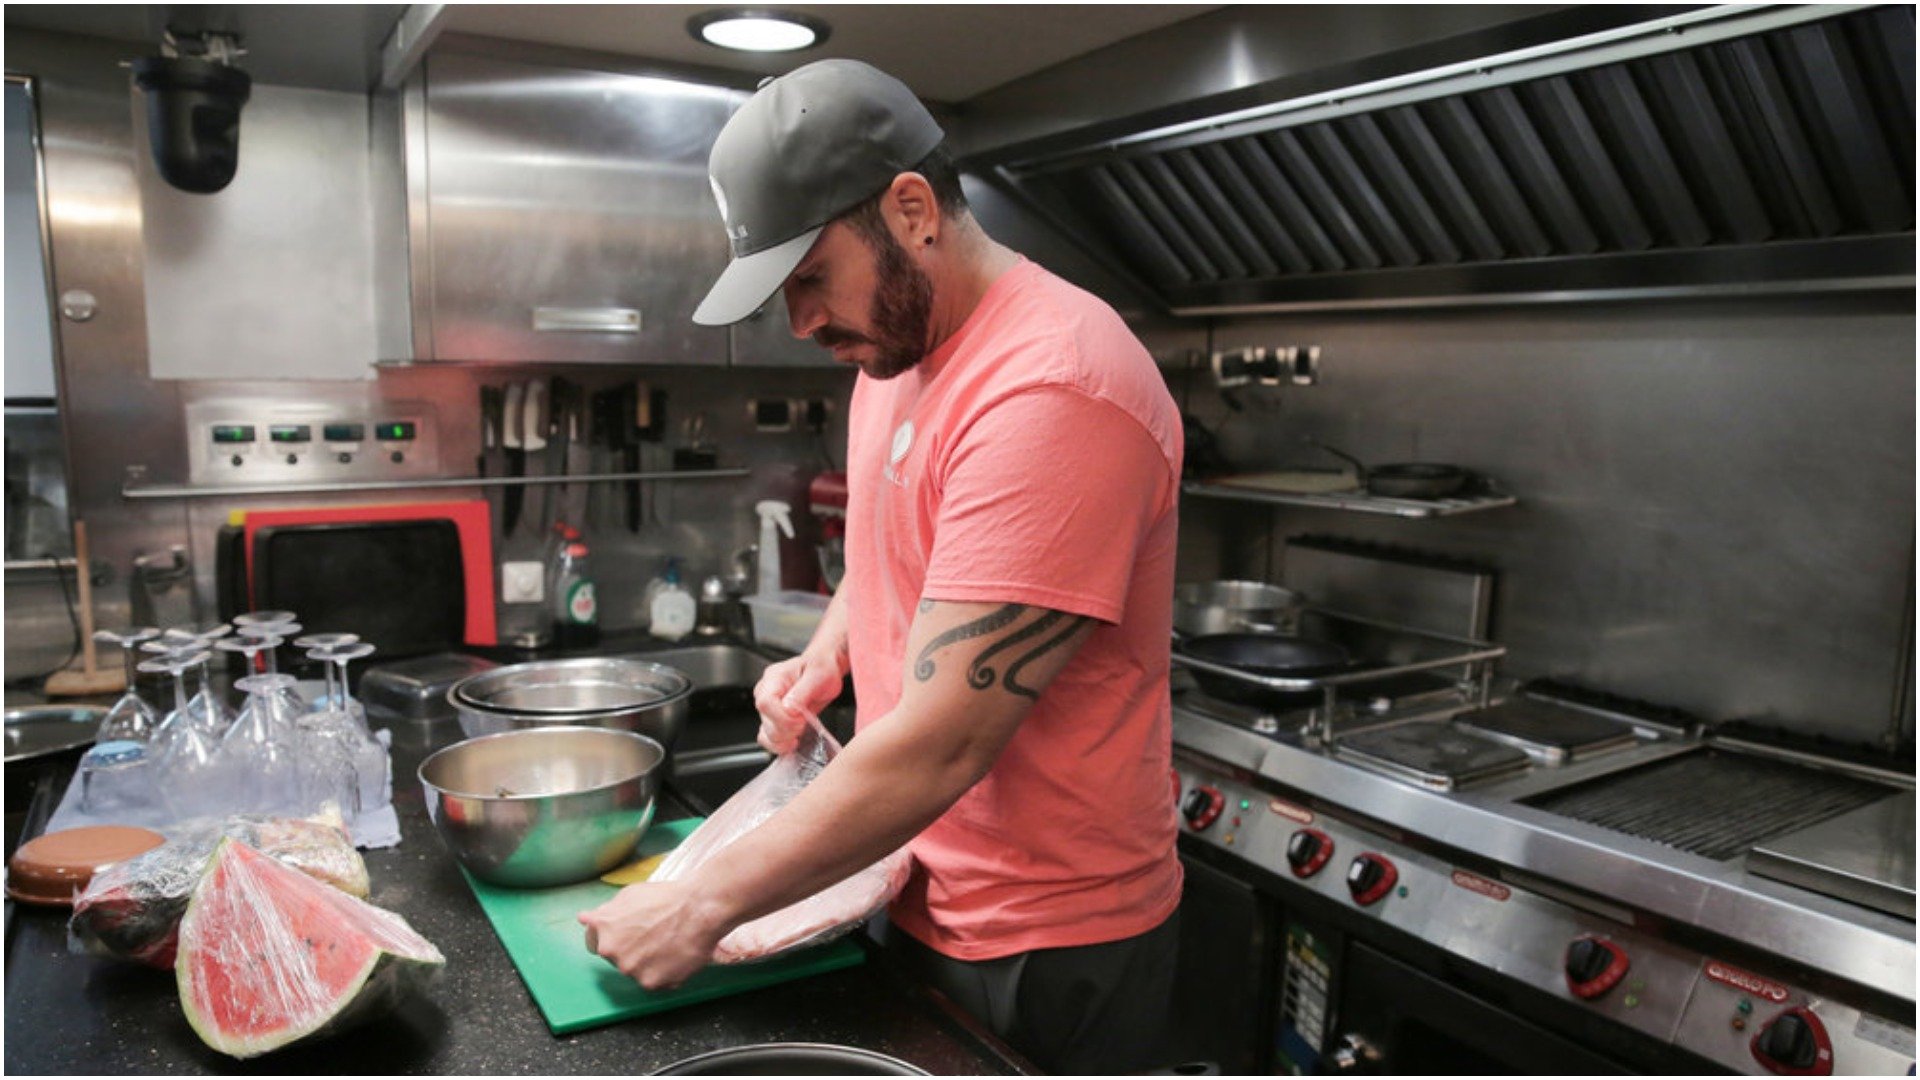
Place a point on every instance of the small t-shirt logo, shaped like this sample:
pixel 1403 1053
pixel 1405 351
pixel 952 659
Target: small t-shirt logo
pixel 902 442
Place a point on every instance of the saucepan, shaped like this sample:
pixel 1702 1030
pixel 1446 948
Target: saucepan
pixel 1278 656
pixel 1406 480
pixel 1222 607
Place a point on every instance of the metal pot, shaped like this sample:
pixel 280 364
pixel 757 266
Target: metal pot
pixel 606 692
pixel 1277 656
pixel 791 1059
pixel 1223 607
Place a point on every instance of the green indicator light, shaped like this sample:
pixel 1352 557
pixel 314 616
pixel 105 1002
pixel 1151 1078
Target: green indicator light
pixel 1403 890
pixel 1244 804
pixel 1632 1001
pixel 1744 1007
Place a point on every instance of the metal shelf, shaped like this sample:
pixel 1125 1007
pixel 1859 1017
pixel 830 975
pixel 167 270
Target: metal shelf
pixel 1357 501
pixel 209 491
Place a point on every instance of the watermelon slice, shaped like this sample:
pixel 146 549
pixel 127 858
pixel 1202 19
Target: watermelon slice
pixel 270 957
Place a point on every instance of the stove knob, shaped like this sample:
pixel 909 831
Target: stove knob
pixel 1203 804
pixel 1371 877
pixel 1794 1044
pixel 1307 851
pixel 1593 965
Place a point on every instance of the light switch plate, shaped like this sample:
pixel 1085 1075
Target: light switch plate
pixel 522 583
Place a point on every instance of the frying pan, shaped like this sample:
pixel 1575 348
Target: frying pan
pixel 1280 656
pixel 1405 480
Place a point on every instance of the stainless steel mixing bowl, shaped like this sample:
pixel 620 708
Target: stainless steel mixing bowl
pixel 548 806
pixel 606 692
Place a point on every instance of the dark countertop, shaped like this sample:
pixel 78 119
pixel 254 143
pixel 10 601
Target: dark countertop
pixel 79 1014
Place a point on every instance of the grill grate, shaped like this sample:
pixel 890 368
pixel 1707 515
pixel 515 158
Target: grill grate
pixel 1711 804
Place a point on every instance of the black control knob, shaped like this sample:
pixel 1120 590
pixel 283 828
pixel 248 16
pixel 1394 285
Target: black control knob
pixel 1593 966
pixel 1307 851
pixel 1794 1043
pixel 1201 806
pixel 237 460
pixel 345 458
pixel 397 457
pixel 1370 877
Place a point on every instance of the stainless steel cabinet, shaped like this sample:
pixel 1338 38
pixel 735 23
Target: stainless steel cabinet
pixel 567 214
pixel 765 340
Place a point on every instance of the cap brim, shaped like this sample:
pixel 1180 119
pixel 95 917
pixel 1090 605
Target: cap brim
pixel 751 280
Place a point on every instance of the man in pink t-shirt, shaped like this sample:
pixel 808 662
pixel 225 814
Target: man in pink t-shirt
pixel 1014 462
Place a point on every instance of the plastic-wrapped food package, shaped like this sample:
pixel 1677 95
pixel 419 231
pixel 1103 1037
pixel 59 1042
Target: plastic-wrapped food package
pixel 270 957
pixel 131 910
pixel 827 914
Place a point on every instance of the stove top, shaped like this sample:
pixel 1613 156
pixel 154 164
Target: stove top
pixel 1433 753
pixel 1551 732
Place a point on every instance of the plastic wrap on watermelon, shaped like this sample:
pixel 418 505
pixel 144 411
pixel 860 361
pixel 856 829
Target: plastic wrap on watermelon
pixel 131 910
pixel 827 914
pixel 270 957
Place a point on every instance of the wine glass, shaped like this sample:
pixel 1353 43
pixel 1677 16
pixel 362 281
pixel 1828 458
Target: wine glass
pixel 131 719
pixel 257 754
pixel 312 642
pixel 285 631
pixel 371 763
pixel 188 776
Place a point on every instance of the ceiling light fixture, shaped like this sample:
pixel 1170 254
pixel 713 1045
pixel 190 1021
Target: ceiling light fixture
pixel 758 30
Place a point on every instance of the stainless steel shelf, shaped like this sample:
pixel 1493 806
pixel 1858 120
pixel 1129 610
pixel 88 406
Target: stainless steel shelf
pixel 208 491
pixel 1358 501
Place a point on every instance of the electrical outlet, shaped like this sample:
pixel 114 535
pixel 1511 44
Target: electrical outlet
pixel 522 583
pixel 772 414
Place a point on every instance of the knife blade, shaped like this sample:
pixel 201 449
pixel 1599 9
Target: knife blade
pixel 492 408
pixel 511 438
pixel 533 433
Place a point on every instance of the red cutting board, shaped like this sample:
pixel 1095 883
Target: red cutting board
pixel 471 518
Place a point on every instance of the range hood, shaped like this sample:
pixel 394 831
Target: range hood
pixel 1728 150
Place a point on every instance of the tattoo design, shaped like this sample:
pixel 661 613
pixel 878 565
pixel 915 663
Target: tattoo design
pixel 982 671
pixel 926 606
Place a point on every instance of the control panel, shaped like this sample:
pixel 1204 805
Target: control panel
pixel 279 441
pixel 1577 949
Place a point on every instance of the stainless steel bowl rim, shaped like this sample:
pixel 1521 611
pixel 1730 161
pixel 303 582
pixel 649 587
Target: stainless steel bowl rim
pixel 529 732
pixel 460 694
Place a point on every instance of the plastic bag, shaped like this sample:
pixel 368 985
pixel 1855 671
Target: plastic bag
pixel 827 914
pixel 131 910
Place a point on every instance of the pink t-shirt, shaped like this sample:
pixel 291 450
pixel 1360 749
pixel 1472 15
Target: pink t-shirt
pixel 1033 458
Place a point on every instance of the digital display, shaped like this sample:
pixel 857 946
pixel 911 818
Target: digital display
pixel 345 432
pixel 232 433
pixel 395 430
pixel 290 433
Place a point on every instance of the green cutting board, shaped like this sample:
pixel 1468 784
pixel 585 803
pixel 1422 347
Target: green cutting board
pixel 576 989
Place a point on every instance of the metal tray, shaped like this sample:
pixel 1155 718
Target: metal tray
pixel 45 730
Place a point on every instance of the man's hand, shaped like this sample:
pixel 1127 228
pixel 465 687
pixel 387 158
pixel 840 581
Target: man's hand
pixel 791 691
pixel 658 935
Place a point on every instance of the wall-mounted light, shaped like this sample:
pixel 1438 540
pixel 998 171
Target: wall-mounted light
pixel 758 29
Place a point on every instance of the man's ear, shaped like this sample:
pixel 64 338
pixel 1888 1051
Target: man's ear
pixel 911 211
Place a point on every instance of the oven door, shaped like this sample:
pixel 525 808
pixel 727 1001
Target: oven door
pixel 1224 986
pixel 1394 1019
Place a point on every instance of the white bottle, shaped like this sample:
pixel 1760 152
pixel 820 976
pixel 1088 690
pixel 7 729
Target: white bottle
pixel 776 518
pixel 672 610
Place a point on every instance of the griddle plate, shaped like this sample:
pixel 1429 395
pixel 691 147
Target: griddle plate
pixel 1433 753
pixel 1559 732
pixel 1711 803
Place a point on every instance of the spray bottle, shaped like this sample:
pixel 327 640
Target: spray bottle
pixel 776 518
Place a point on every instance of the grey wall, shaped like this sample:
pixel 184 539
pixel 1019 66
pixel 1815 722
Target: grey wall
pixel 1717 499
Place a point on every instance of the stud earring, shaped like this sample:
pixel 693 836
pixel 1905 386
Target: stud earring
pixel 927 240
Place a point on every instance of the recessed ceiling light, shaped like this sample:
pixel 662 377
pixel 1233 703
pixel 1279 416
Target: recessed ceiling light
pixel 757 30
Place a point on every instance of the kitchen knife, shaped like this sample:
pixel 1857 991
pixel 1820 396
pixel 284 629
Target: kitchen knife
pixel 579 450
pixel 511 437
pixel 628 426
pixel 492 409
pixel 534 434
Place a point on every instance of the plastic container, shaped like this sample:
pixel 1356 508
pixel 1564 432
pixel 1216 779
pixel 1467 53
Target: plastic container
pixel 672 611
pixel 786 620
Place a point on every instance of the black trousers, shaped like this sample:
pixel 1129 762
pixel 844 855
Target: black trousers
pixel 1086 1010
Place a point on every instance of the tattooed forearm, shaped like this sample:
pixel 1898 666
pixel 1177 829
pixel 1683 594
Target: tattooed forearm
pixel 1024 645
pixel 986 624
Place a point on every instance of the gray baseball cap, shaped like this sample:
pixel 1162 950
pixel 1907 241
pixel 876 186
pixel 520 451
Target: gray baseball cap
pixel 805 148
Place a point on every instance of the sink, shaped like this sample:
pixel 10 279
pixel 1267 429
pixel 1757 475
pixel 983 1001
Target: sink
pixel 722 665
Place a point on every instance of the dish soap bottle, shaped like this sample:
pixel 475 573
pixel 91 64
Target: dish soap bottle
pixel 576 616
pixel 672 609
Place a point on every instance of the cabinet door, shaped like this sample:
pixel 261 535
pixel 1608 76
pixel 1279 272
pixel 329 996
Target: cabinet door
pixel 570 217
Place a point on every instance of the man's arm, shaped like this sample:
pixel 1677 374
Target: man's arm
pixel 972 672
pixel 791 690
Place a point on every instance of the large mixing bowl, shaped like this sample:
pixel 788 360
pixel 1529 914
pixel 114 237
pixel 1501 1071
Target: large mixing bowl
pixel 605 692
pixel 543 807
